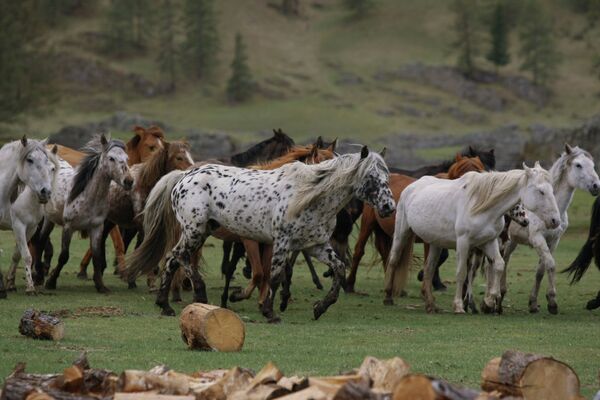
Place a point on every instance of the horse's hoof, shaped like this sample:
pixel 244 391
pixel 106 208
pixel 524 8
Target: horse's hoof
pixel 440 287
pixel 131 285
pixel 274 320
pixel 102 289
pixel 459 311
pixel 236 296
pixel 388 301
pixel 3 294
pixel 533 307
pixel 592 304
pixel 420 276
pixel 283 306
pixel 486 309
pixel 168 312
pixel 328 273
pixel 431 309
pixel 82 275
pixel 177 299
pixel 247 272
pixel 31 292
pixel 553 308
pixel 318 285
pixel 50 284
pixel 11 288
pixel 318 310
pixel 474 309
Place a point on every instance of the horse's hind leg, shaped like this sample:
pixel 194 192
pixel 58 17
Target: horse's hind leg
pixel 278 261
pixel 98 237
pixel 63 258
pixel 43 248
pixel 327 255
pixel 85 261
pixel 287 282
pixel 252 249
pixel 313 272
pixel 433 255
pixel 546 262
pixel 367 225
pixel 229 268
pixel 3 294
pixel 594 303
pixel 494 272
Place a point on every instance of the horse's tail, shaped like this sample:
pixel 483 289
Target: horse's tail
pixel 590 249
pixel 401 254
pixel 160 225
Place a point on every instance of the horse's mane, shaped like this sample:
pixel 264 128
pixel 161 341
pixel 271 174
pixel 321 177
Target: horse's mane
pixel 464 165
pixel 254 154
pixel 297 153
pixel 153 169
pixel 487 189
pixel 153 130
pixel 560 166
pixel 88 166
pixel 314 181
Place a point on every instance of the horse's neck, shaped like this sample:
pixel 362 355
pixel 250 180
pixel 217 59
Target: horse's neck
pixel 8 176
pixel 509 201
pixel 133 156
pixel 563 192
pixel 96 191
pixel 336 200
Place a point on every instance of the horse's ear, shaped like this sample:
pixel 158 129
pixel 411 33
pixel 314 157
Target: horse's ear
pixel 537 165
pixel 526 168
pixel 332 145
pixel 44 142
pixel 24 140
pixel 103 140
pixel 364 152
pixel 382 152
pixel 314 151
pixel 139 130
pixel 278 132
pixel 568 148
pixel 492 151
pixel 54 149
pixel 458 157
pixel 319 143
pixel 471 151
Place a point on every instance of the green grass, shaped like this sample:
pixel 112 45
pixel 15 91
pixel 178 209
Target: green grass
pixel 452 347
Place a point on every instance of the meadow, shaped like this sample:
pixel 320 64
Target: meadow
pixel 454 347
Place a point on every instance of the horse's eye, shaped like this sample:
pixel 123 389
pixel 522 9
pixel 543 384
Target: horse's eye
pixel 30 161
pixel 111 159
pixel 578 166
pixel 179 158
pixel 152 148
pixel 542 192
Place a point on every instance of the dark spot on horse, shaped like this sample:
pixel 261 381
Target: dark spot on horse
pixel 220 205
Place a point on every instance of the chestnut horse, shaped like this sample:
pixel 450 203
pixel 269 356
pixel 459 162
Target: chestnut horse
pixel 139 148
pixel 384 227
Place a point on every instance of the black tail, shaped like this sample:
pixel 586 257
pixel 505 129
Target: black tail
pixel 590 249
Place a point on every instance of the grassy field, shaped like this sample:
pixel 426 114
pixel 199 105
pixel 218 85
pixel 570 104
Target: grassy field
pixel 452 347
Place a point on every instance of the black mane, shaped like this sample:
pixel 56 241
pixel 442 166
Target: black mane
pixel 268 149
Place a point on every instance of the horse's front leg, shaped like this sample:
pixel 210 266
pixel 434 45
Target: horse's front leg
pixel 328 256
pixel 551 269
pixel 462 258
pixel 494 275
pixel 287 281
pixel 3 294
pixel 98 241
pixel 228 268
pixel 509 247
pixel 12 270
pixel 63 258
pixel 278 261
pixel 311 268
pixel 546 262
pixel 22 237
pixel 432 256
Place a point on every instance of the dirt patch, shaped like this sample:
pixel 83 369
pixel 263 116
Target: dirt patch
pixel 91 311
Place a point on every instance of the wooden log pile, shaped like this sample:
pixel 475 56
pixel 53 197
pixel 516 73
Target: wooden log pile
pixel 513 376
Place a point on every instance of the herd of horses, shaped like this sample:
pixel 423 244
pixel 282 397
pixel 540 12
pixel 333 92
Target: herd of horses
pixel 277 200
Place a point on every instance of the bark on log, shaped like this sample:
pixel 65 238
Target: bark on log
pixel 37 325
pixel 142 381
pixel 530 376
pixel 208 327
pixel 150 396
pixel 235 380
pixel 311 392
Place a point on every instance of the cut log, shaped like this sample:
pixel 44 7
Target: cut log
pixel 141 381
pixel 414 387
pixel 311 392
pixel 150 396
pixel 385 374
pixel 208 327
pixel 235 380
pixel 38 325
pixel 269 374
pixel 293 383
pixel 530 376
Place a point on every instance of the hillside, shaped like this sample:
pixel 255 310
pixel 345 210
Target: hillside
pixel 324 74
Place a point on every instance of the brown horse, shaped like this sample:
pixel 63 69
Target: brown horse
pixel 384 227
pixel 125 207
pixel 139 148
pixel 260 262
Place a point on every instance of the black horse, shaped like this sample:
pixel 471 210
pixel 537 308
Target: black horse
pixel 591 249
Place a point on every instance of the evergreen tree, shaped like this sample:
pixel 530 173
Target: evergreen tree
pixel 359 8
pixel 125 26
pixel 240 85
pixel 167 53
pixel 499 29
pixel 537 46
pixel 290 7
pixel 201 43
pixel 24 66
pixel 467 34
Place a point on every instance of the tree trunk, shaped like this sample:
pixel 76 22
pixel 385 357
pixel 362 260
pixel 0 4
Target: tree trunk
pixel 208 327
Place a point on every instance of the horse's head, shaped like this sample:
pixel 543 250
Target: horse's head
pixel 145 143
pixel 580 170
pixel 178 155
pixel 372 186
pixel 519 214
pixel 538 195
pixel 488 158
pixel 464 164
pixel 37 167
pixel 114 160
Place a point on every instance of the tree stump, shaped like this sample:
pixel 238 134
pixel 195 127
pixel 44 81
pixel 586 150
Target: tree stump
pixel 208 327
pixel 38 325
pixel 530 376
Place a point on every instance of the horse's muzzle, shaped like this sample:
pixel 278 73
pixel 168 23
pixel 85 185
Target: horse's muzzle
pixel 595 189
pixel 44 195
pixel 524 223
pixel 386 210
pixel 127 183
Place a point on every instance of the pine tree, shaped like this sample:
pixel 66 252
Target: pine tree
pixel 125 26
pixel 290 7
pixel 467 34
pixel 359 8
pixel 499 29
pixel 201 43
pixel 240 85
pixel 167 53
pixel 537 46
pixel 25 65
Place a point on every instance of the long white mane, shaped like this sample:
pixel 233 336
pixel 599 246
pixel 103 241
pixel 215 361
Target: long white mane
pixel 486 189
pixel 313 181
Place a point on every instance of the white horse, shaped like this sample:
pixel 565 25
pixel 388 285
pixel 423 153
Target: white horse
pixel 464 214
pixel 293 207
pixel 574 169
pixel 81 202
pixel 27 173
